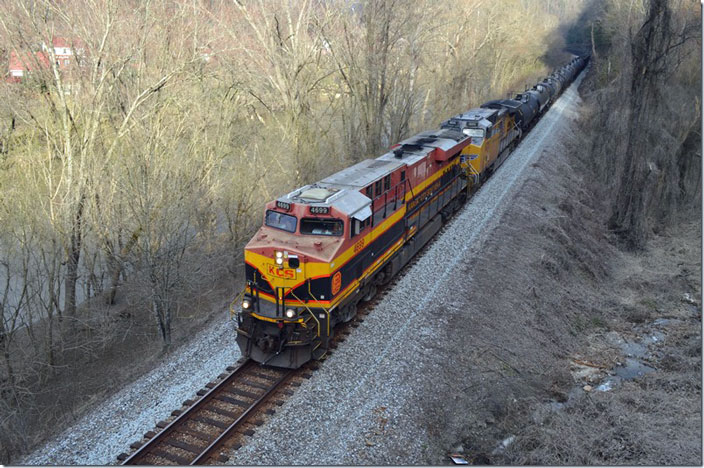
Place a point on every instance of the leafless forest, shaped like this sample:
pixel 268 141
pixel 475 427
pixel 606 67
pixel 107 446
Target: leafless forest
pixel 647 120
pixel 132 175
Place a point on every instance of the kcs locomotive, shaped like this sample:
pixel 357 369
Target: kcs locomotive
pixel 328 246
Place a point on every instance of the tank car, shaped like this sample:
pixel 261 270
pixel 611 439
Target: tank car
pixel 531 102
pixel 557 83
pixel 541 94
pixel 550 88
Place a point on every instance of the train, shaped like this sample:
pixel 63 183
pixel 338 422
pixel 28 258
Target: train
pixel 326 247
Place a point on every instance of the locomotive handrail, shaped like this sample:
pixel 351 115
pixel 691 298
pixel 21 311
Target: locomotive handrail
pixel 310 311
pixel 310 293
pixel 327 312
pixel 468 168
pixel 236 299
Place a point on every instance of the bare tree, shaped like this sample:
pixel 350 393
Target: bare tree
pixel 654 59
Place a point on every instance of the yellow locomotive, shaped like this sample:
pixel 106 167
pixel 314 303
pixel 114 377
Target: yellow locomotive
pixel 492 132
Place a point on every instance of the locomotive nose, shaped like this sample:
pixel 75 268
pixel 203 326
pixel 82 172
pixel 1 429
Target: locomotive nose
pixel 266 343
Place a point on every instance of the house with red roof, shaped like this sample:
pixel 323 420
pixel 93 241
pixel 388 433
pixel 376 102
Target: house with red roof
pixel 23 63
pixel 65 50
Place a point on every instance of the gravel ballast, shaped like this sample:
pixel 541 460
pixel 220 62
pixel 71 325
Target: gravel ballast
pixel 103 433
pixel 362 406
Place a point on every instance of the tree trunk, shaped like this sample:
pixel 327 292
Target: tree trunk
pixel 74 257
pixel 163 318
pixel 116 266
pixel 649 47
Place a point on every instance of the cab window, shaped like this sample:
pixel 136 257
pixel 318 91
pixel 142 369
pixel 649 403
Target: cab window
pixel 281 221
pixel 321 227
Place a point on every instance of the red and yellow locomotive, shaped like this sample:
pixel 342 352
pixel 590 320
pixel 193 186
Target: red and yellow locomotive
pixel 327 246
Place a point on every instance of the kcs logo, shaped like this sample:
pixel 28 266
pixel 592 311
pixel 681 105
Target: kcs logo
pixel 336 283
pixel 284 273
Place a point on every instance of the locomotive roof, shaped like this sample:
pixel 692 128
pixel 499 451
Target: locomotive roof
pixel 349 201
pixel 342 189
pixel 418 146
pixel 363 173
pixel 478 117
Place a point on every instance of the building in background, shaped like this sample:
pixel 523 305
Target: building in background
pixel 22 64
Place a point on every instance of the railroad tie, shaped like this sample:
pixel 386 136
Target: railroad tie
pixel 211 422
pixel 255 384
pixel 184 446
pixel 264 376
pixel 240 392
pixel 223 412
pixel 232 401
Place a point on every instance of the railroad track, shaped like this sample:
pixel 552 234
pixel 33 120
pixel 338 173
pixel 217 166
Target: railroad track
pixel 228 409
pixel 231 408
pixel 202 432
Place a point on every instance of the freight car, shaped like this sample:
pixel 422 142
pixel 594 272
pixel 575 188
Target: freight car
pixel 327 246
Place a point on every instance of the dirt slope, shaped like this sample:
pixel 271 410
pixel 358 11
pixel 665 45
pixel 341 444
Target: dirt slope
pixel 565 349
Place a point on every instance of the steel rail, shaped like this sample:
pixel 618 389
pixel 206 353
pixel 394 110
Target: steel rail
pixel 222 438
pixel 137 457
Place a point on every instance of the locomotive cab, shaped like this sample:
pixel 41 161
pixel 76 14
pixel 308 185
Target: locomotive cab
pixel 492 130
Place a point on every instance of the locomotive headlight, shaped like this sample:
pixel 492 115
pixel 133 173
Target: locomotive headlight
pixel 279 258
pixel 246 304
pixel 290 313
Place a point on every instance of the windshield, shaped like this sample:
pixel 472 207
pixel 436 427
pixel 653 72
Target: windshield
pixel 322 227
pixel 280 221
pixel 474 132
